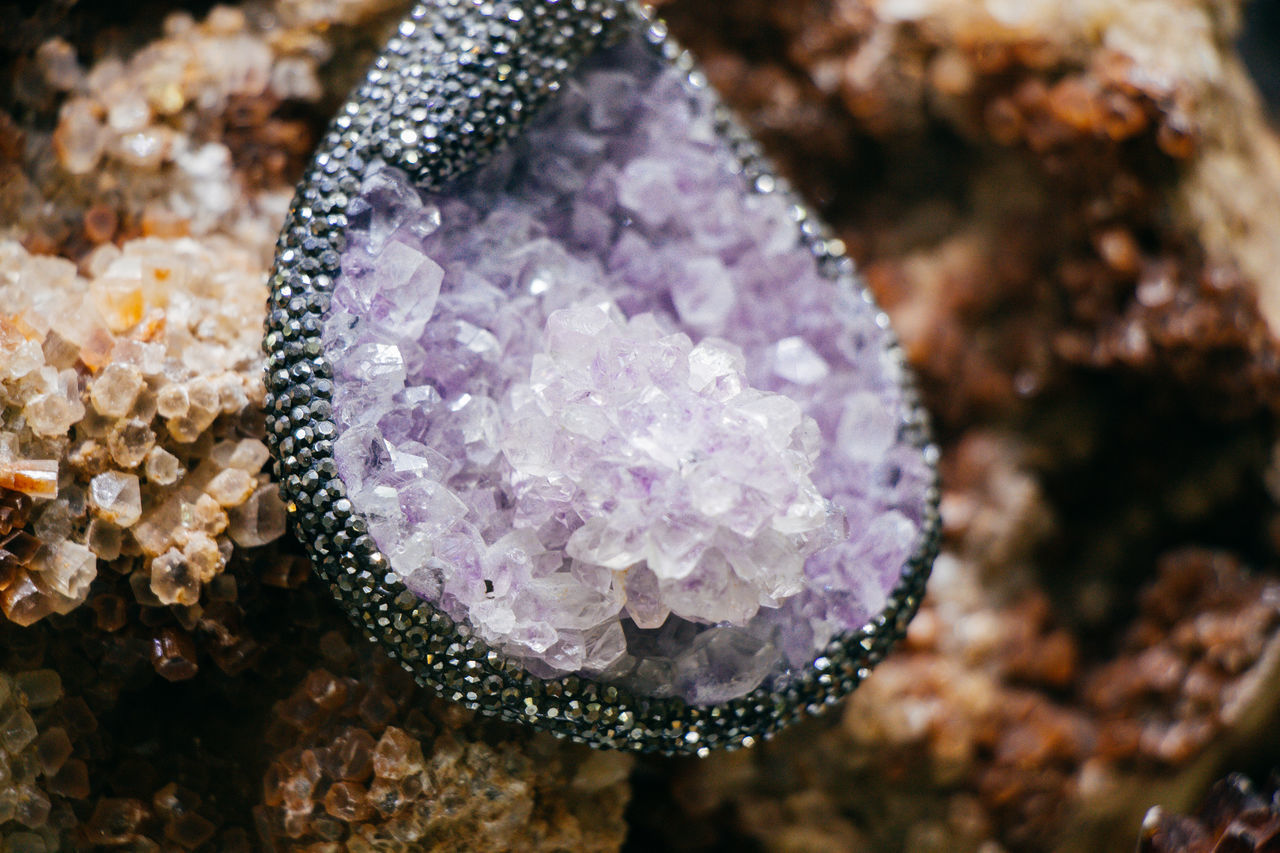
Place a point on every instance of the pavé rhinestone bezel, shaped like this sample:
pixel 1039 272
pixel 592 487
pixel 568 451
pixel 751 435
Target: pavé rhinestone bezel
pixel 458 81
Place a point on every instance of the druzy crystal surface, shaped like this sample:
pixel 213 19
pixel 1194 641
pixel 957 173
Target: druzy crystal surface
pixel 597 401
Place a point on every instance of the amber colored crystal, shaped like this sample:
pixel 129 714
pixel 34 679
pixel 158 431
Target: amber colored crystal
pixel 189 831
pixel 115 821
pixel 397 755
pixel 351 755
pixel 41 687
pixel 325 690
pixel 53 748
pixel 35 477
pixel 348 801
pixel 19 547
pixel 285 572
pixel 377 708
pixel 173 654
pixel 25 602
pixel 78 716
pixel 110 612
pixel 72 780
pixel 33 807
pixel 17 731
pixel 10 571
pixel 15 509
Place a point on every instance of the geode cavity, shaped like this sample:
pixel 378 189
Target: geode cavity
pixel 607 403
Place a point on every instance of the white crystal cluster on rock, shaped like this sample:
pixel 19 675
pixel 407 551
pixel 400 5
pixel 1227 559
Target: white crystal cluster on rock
pixel 114 382
pixel 597 401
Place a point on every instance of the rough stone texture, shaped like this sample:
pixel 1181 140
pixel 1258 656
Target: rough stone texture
pixel 365 760
pixel 134 386
pixel 1234 816
pixel 133 504
pixel 111 754
pixel 599 402
pixel 1015 183
pixel 1022 251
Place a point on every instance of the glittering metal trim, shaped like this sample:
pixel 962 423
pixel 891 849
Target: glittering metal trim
pixel 457 82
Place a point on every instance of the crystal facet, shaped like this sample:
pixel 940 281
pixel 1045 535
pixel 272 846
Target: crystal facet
pixel 598 401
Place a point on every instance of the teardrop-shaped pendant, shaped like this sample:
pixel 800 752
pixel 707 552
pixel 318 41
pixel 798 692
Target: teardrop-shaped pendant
pixel 578 412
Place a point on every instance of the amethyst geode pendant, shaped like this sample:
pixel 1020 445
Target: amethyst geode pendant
pixel 581 417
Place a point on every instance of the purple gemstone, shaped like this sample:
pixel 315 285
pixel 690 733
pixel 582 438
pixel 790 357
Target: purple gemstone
pixel 597 401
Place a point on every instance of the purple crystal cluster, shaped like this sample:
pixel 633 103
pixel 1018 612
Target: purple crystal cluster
pixel 692 488
pixel 597 401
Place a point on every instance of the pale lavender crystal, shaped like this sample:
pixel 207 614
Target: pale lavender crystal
pixel 659 454
pixel 597 401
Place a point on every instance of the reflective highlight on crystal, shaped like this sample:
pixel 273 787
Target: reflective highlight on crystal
pixel 597 401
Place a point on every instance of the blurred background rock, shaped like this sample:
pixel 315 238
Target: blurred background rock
pixel 1260 47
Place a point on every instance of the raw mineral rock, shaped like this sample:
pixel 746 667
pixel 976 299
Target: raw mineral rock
pixel 1234 816
pixel 175 162
pixel 1015 180
pixel 91 406
pixel 370 763
pixel 30 756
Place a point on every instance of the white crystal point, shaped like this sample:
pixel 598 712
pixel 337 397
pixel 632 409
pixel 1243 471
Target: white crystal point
pixel 796 361
pixel 703 294
pixel 867 427
pixel 716 368
pixel 407 287
pixel 380 364
pixel 644 598
pixel 116 498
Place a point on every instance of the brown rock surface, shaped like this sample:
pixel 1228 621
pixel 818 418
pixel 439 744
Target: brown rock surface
pixel 1053 204
pixel 1233 817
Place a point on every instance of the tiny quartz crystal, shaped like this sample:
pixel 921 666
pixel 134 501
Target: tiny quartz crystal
pixel 116 498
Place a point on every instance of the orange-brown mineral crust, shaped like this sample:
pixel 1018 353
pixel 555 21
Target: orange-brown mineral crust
pixel 1070 211
pixel 1025 183
pixel 364 761
pixel 1027 188
pixel 1234 816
